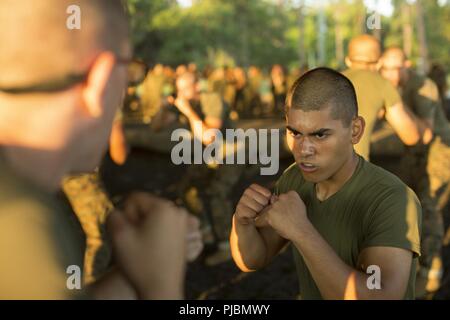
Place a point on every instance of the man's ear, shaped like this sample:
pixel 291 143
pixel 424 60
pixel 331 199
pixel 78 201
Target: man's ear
pixel 348 62
pixel 408 64
pixel 358 127
pixel 96 83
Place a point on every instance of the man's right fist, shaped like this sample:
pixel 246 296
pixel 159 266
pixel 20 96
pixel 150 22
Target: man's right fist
pixel 252 202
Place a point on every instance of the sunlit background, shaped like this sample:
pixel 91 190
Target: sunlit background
pixel 291 32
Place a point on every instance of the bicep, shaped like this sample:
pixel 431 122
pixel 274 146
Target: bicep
pixel 394 265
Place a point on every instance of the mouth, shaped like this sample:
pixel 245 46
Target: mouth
pixel 307 167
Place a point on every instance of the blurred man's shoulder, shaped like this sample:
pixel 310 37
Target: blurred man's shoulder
pixel 362 75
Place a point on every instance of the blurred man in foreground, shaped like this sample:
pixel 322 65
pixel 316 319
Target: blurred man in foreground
pixel 57 105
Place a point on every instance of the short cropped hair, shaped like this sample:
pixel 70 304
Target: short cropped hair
pixel 322 88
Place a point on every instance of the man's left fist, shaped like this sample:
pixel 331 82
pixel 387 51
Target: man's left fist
pixel 287 215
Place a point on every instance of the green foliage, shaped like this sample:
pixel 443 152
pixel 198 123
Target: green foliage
pixel 264 32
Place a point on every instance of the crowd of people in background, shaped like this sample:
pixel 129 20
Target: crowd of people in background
pixel 249 92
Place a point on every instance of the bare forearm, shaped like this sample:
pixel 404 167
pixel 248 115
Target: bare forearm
pixel 404 123
pixel 342 281
pixel 247 247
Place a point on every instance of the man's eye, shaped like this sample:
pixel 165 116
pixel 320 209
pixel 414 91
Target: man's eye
pixel 293 134
pixel 321 136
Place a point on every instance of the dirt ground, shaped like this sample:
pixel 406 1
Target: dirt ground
pixel 149 171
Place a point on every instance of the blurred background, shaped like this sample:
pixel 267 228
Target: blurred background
pixel 289 32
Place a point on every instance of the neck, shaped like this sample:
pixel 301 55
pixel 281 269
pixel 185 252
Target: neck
pixel 43 168
pixel 327 188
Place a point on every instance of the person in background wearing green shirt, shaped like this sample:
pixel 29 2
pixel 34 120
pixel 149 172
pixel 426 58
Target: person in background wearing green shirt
pixel 376 94
pixel 343 215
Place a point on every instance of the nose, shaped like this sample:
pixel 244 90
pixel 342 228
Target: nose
pixel 305 147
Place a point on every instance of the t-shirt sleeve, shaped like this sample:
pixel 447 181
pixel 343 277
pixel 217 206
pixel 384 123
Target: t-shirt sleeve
pixel 391 96
pixel 395 222
pixel 30 266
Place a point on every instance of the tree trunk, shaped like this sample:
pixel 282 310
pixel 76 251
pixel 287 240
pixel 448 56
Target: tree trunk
pixel 301 39
pixel 339 37
pixel 407 29
pixel 423 47
pixel 321 43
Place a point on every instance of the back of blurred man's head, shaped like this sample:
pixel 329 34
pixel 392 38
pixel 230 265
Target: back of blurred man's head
pixel 364 52
pixel 40 51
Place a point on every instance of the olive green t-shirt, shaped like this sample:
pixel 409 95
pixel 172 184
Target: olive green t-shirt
pixel 373 208
pixel 373 93
pixel 39 240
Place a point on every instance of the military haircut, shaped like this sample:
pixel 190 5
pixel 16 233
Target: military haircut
pixel 38 44
pixel 322 88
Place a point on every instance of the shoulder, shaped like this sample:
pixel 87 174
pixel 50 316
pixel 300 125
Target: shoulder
pixel 377 189
pixel 393 214
pixel 385 182
pixel 385 194
pixel 363 75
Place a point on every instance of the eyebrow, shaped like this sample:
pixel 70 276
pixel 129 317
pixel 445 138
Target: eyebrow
pixel 320 131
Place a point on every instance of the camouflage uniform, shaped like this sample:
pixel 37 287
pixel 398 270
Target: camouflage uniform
pixel 428 171
pixel 92 207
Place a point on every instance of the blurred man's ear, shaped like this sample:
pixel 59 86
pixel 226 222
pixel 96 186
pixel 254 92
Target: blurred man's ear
pixel 348 62
pixel 408 64
pixel 97 80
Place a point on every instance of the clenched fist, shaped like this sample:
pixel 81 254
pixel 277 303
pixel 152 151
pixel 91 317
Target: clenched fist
pixel 149 243
pixel 287 215
pixel 254 200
